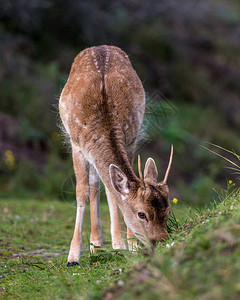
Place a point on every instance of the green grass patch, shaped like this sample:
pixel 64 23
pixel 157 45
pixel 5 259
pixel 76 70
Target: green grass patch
pixel 199 260
pixel 35 236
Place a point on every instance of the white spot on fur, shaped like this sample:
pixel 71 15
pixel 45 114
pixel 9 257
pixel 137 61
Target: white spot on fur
pixel 95 137
pixel 95 61
pixel 69 98
pixel 63 105
pixel 93 178
pixel 107 60
pixel 123 197
pixel 78 121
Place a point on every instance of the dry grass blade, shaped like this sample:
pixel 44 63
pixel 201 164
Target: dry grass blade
pixel 218 154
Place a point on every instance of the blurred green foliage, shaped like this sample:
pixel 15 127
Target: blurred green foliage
pixel 185 53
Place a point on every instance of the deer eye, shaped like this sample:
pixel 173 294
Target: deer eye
pixel 142 216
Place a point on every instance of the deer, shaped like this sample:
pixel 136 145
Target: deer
pixel 101 107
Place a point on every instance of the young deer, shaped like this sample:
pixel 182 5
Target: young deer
pixel 102 107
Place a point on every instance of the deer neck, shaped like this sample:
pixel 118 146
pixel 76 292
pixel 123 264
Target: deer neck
pixel 112 151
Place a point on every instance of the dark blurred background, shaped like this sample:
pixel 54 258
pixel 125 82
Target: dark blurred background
pixel 187 53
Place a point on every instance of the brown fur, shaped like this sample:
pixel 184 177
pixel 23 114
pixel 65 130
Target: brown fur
pixel 102 107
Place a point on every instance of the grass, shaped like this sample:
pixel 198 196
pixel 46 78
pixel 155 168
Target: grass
pixel 200 259
pixel 35 238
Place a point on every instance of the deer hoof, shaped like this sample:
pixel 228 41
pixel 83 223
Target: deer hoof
pixel 72 263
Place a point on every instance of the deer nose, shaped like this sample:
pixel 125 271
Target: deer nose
pixel 153 242
pixel 161 239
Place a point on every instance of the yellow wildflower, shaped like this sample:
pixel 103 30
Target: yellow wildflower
pixel 175 200
pixel 230 181
pixel 9 160
pixel 55 136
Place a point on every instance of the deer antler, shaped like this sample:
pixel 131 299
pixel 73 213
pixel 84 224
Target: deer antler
pixel 169 166
pixel 140 170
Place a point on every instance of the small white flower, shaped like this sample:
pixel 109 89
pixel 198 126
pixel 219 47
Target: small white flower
pixel 170 245
pixel 232 207
pixel 120 282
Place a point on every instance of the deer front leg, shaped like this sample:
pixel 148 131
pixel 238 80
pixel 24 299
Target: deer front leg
pixel 96 228
pixel 132 242
pixel 82 193
pixel 116 230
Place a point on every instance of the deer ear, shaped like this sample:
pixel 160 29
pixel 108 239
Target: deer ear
pixel 150 170
pixel 119 181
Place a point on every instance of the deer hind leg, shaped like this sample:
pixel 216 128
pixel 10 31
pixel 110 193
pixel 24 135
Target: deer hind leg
pixel 96 228
pixel 82 193
pixel 116 230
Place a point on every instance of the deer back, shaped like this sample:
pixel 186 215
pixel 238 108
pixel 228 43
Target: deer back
pixel 102 97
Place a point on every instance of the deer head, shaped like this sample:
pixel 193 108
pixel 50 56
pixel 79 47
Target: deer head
pixel 144 203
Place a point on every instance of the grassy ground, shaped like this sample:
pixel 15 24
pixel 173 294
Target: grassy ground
pixel 35 238
pixel 200 259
